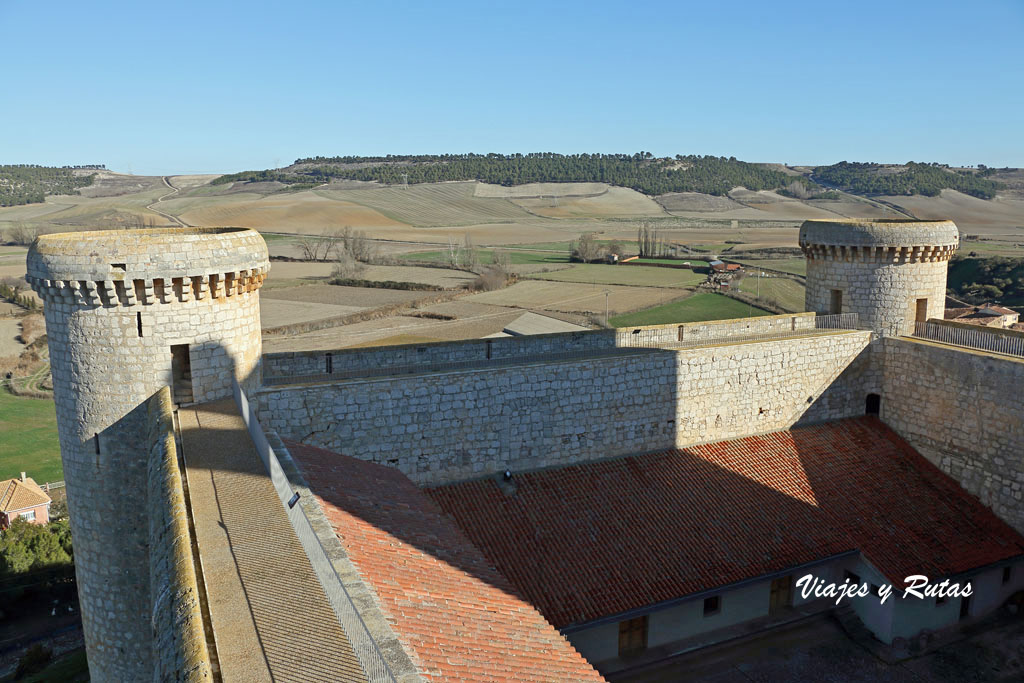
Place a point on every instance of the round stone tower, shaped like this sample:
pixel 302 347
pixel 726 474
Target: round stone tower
pixel 890 272
pixel 128 312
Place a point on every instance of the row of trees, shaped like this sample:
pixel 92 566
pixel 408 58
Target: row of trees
pixel 640 171
pixel 25 184
pixel 914 178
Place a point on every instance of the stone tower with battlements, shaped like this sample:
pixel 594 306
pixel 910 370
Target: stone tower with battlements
pixel 892 273
pixel 128 312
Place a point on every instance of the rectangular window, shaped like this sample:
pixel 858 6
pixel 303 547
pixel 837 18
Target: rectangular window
pixel 632 636
pixel 29 516
pixel 1007 573
pixel 940 601
pixel 921 315
pixel 965 607
pixel 138 322
pixel 851 577
pixel 712 605
pixel 836 302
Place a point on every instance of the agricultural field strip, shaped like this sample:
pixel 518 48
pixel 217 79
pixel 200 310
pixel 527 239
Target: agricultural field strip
pixel 632 276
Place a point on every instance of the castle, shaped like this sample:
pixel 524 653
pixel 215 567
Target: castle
pixel 507 508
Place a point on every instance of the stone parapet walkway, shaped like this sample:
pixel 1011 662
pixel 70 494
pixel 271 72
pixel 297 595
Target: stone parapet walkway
pixel 270 617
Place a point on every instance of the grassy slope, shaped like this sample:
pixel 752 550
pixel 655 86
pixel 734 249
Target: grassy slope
pixel 788 293
pixel 797 266
pixel 625 275
pixel 28 438
pixel 703 306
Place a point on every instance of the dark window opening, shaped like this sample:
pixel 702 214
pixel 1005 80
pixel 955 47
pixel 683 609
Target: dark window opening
pixel 851 577
pixel 965 607
pixel 138 322
pixel 836 302
pixel 632 636
pixel 330 363
pixel 181 374
pixel 921 314
pixel 781 595
pixel 680 334
pixel 96 442
pixel 1007 572
pixel 489 343
pixel 119 266
pixel 873 405
pixel 712 605
pixel 940 601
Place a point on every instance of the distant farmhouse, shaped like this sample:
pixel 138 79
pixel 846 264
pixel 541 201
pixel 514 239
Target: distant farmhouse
pixel 553 506
pixel 23 499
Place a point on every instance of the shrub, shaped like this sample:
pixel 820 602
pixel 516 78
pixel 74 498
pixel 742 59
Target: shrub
pixel 33 661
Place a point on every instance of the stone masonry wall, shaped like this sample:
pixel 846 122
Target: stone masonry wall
pixel 884 295
pixel 179 642
pixel 304 363
pixel 449 426
pixel 961 410
pixel 115 303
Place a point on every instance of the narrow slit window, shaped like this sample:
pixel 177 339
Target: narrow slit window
pixel 138 322
pixel 96 442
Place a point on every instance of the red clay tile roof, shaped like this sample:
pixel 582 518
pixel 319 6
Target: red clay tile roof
pixel 457 616
pixel 595 540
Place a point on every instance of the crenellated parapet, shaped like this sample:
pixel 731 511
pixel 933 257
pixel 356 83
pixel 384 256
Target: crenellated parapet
pixel 133 267
pixel 153 290
pixel 876 254
pixel 882 241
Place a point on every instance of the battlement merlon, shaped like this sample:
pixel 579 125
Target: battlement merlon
pixel 129 267
pixel 887 241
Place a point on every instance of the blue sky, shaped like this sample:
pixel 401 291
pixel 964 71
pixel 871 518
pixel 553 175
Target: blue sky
pixel 189 87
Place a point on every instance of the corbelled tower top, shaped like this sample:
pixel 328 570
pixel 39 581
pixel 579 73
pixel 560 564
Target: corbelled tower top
pixel 891 272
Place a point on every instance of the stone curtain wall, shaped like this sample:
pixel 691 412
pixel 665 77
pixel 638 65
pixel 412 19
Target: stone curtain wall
pixel 728 392
pixel 438 428
pixel 962 410
pixel 291 364
pixel 179 642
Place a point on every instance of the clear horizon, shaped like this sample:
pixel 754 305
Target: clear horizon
pixel 209 88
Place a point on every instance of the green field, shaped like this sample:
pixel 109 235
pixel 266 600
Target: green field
pixel 487 256
pixel 703 306
pixel 28 438
pixel 785 292
pixel 637 276
pixel 795 265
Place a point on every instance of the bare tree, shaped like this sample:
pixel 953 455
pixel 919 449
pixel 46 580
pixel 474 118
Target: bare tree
pixel 472 256
pixel 799 190
pixel 586 248
pixel 358 245
pixel 502 260
pixel 22 234
pixel 317 247
pixel 346 266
